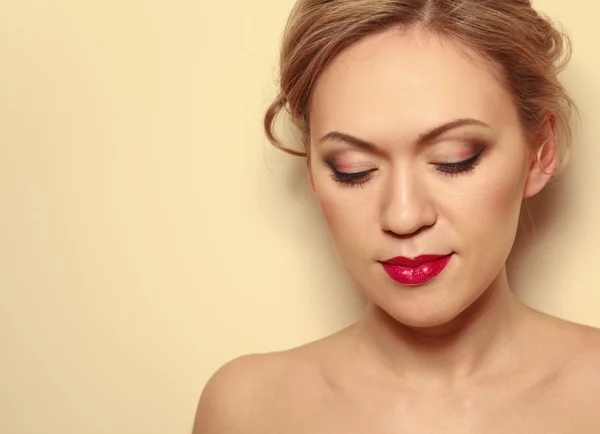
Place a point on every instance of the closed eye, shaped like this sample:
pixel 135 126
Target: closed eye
pixel 459 167
pixel 355 179
pixel 352 179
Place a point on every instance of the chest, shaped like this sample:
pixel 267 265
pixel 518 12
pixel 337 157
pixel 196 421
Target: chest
pixel 544 411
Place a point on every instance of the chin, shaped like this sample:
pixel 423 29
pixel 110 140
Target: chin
pixel 424 312
pixel 426 321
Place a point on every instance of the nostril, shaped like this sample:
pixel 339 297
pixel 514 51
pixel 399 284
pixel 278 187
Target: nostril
pixel 405 235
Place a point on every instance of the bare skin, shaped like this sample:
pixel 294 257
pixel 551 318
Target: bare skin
pixel 459 354
pixel 543 380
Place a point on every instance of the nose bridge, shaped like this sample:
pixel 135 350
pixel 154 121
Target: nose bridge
pixel 408 205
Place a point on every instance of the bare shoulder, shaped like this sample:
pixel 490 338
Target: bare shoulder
pixel 232 395
pixel 579 345
pixel 252 391
pixel 585 362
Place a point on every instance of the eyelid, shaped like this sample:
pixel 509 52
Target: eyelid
pixel 334 167
pixel 349 179
pixel 465 166
pixel 359 179
pixel 465 161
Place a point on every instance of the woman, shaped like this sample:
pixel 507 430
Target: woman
pixel 426 123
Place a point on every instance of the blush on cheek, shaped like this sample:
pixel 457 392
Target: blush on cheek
pixel 329 206
pixel 341 211
pixel 328 209
pixel 499 201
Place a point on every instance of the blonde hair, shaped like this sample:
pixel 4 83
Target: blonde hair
pixel 529 49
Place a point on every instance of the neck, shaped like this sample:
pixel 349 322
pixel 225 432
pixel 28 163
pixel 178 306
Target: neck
pixel 482 339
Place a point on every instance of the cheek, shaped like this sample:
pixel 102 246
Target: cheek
pixel 350 215
pixel 502 190
pixel 340 210
pixel 490 207
pixel 332 206
pixel 501 199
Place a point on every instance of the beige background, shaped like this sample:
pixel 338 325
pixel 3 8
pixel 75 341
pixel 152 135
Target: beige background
pixel 148 233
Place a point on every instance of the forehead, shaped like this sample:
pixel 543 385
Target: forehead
pixel 400 83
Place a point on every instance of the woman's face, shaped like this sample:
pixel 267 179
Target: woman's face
pixel 417 150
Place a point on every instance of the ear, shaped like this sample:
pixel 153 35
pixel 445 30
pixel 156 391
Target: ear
pixel 544 158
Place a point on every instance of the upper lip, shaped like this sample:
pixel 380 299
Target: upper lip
pixel 403 261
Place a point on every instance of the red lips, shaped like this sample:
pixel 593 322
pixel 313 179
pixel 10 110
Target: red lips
pixel 417 271
pixel 411 263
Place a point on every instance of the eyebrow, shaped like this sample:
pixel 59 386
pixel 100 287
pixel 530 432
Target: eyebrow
pixel 426 137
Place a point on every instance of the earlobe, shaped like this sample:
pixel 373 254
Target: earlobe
pixel 544 161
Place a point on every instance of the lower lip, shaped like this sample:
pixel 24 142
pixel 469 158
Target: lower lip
pixel 417 275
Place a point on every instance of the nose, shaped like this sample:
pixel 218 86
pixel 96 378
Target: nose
pixel 407 206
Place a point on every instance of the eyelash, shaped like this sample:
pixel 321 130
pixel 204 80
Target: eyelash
pixel 359 179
